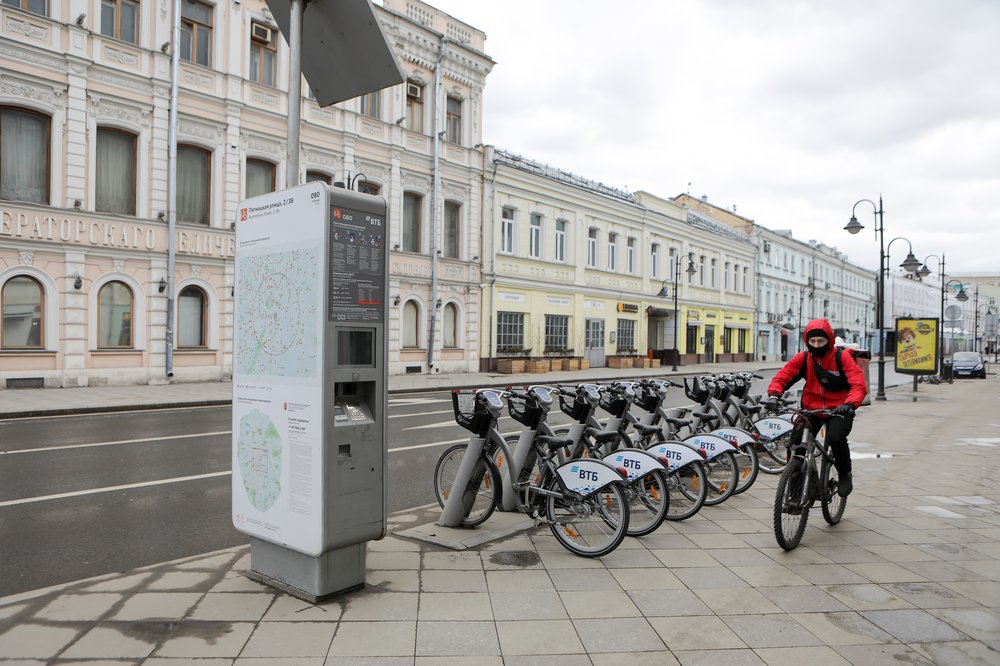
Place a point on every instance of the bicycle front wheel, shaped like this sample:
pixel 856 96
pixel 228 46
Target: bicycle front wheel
pixel 722 477
pixel 791 509
pixel 748 466
pixel 648 502
pixel 688 489
pixel 482 492
pixel 592 526
pixel 833 504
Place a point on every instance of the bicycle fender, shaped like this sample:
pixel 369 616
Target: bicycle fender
pixel 636 462
pixel 675 453
pixel 714 445
pixel 737 436
pixel 588 476
pixel 772 427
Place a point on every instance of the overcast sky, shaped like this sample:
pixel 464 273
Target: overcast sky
pixel 789 111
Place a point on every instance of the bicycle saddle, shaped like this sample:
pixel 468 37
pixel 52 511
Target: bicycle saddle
pixel 602 436
pixel 555 442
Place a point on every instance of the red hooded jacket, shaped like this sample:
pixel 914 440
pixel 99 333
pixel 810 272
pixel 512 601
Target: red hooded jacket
pixel 815 396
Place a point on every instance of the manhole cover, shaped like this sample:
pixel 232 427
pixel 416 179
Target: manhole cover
pixel 515 558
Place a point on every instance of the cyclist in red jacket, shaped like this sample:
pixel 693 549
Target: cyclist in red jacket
pixel 830 384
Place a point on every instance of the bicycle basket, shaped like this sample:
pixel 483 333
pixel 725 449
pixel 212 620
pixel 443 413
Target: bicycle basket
pixel 574 407
pixel 529 415
pixel 695 391
pixel 470 413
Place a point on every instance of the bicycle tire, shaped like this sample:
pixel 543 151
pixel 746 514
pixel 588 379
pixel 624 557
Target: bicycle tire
pixel 649 501
pixel 771 455
pixel 833 504
pixel 721 478
pixel 789 527
pixel 486 476
pixel 748 467
pixel 591 527
pixel 688 489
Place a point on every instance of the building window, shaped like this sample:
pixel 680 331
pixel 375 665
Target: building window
pixel 193 177
pixel 114 316
pixel 260 177
pixel 744 279
pixel 690 263
pixel 630 256
pixel 373 189
pixel 741 337
pixel 196 32
pixel 535 237
pixel 318 177
pixel 510 332
pixel 412 205
pixel 450 327
pixel 725 277
pixel 626 335
pixel 452 229
pixel 507 230
pixel 453 128
pixel 654 260
pixel 701 270
pixel 263 54
pixel 368 105
pixel 727 340
pixel 40 7
pixel 23 308
pixel 411 332
pixel 414 106
pixel 715 263
pixel 612 252
pixel 24 155
pixel 560 254
pixel 556 333
pixel 736 275
pixel 191 321
pixel 592 248
pixel 119 19
pixel 114 175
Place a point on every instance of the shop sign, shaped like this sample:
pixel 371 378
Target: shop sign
pixel 628 307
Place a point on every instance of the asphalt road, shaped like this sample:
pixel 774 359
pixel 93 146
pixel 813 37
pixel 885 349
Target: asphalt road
pixel 86 495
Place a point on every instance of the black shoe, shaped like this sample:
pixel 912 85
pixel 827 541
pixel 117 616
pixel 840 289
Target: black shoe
pixel 845 485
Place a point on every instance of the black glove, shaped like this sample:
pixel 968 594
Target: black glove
pixel 847 409
pixel 772 404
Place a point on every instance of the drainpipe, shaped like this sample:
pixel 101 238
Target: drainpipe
pixel 434 203
pixel 493 257
pixel 175 58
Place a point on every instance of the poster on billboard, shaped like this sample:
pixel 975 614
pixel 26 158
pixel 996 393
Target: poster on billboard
pixel 916 346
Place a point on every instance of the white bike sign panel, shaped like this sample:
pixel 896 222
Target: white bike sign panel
pixel 713 445
pixel 676 454
pixel 738 437
pixel 773 427
pixel 587 476
pixel 637 463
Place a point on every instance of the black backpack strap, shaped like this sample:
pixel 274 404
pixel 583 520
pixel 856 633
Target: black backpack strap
pixel 802 372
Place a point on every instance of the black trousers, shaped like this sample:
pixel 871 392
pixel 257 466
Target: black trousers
pixel 837 430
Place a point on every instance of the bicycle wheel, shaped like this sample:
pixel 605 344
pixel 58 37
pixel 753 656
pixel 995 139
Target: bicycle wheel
pixel 482 499
pixel 648 501
pixel 771 454
pixel 790 511
pixel 833 504
pixel 687 491
pixel 591 527
pixel 721 478
pixel 749 465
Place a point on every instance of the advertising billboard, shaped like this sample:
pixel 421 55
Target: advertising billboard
pixel 916 346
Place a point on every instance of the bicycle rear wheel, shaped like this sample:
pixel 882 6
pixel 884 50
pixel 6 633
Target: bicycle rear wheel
pixel 790 510
pixel 688 489
pixel 482 492
pixel 591 527
pixel 648 503
pixel 722 477
pixel 833 504
pixel 749 465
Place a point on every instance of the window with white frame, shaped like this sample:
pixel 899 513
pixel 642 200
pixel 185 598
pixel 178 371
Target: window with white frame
pixel 452 229
pixel 412 205
pixel 745 276
pixel 535 236
pixel 592 248
pixel 626 335
pixel 22 303
pixel 507 230
pixel 196 32
pixel 612 251
pixel 556 333
pixel 411 325
pixel 630 256
pixel 119 19
pixel 114 173
pixel 450 327
pixel 263 54
pixel 725 277
pixel 510 332
pixel 736 275
pixel 192 324
pixel 453 123
pixel 691 263
pixel 194 174
pixel 114 316
pixel 654 260
pixel 368 105
pixel 414 106
pixel 714 268
pixel 24 155
pixel 701 270
pixel 560 249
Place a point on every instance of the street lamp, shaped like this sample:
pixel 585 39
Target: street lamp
pixel 923 272
pixel 690 270
pixel 911 264
pixel 961 297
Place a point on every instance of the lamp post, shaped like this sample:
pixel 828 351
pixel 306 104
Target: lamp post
pixel 923 272
pixel 690 270
pixel 911 264
pixel 961 297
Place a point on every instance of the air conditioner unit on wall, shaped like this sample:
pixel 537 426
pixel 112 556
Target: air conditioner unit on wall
pixel 413 90
pixel 261 33
pixel 767 246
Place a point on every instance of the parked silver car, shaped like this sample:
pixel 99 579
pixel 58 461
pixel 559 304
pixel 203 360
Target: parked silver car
pixel 968 363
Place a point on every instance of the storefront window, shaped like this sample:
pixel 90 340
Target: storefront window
pixel 23 306
pixel 114 316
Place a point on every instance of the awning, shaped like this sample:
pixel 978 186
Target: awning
pixel 737 325
pixel 654 311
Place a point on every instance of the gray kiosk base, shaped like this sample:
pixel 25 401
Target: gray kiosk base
pixel 309 578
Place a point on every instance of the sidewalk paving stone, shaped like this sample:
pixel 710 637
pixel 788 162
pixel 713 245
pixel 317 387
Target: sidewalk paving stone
pixel 913 625
pixel 705 632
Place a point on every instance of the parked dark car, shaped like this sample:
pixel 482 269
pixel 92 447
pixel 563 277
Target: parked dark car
pixel 968 363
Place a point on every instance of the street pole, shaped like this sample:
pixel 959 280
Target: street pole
pixel 677 279
pixel 880 297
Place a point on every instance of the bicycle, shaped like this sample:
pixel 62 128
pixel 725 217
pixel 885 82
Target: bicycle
pixel 583 501
pixel 801 485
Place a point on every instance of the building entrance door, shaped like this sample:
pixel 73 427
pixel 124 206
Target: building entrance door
pixel 593 344
pixel 709 344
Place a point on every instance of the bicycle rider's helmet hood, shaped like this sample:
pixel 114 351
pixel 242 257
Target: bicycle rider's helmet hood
pixel 818 327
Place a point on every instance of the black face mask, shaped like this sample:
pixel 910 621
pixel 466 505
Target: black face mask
pixel 818 351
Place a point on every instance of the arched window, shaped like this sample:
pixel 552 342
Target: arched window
pixel 22 301
pixel 260 177
pixel 318 176
pixel 411 337
pixel 450 326
pixel 24 155
pixel 114 316
pixel 191 319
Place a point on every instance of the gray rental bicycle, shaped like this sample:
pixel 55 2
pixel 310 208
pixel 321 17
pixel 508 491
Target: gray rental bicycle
pixel 800 485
